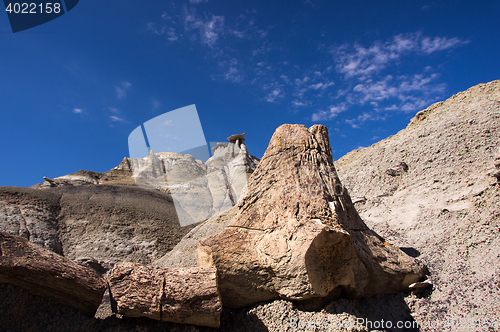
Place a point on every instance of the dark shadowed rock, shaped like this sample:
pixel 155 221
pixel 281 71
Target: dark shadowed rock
pixel 297 234
pixel 42 272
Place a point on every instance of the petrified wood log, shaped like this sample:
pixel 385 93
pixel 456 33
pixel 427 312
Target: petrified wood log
pixel 179 295
pixel 297 234
pixel 45 273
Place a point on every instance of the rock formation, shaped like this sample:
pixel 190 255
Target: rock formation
pixel 103 224
pixel 45 273
pixel 184 253
pixel 31 214
pixel 445 208
pixel 297 235
pixel 187 296
pixel 199 189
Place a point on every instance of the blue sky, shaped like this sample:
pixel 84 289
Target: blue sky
pixel 73 89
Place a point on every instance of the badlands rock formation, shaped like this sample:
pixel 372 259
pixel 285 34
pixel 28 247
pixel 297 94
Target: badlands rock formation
pixel 31 214
pixel 297 235
pixel 445 208
pixel 199 189
pixel 442 209
pixel 103 224
pixel 105 218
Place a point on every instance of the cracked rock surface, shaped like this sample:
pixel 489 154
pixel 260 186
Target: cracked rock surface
pixel 297 235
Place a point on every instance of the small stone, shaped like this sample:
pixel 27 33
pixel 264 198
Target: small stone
pixel 419 287
pixel 392 172
pixel 495 173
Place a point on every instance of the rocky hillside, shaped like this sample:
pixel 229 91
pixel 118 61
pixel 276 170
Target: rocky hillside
pixel 443 201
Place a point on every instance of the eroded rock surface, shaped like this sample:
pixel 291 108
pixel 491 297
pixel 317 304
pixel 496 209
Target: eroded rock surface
pixel 445 207
pixel 297 235
pixel 180 295
pixel 32 215
pixel 42 272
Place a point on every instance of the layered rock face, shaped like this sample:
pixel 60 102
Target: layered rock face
pixel 199 190
pixel 297 235
pixel 102 224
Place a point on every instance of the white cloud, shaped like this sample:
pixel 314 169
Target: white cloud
pixel 347 76
pixel 404 93
pixel 115 118
pixel 170 32
pixel 368 73
pixel 299 103
pixel 233 75
pixel 430 45
pixel 208 29
pixel 363 62
pixel 237 33
pixel 120 93
pixel 329 114
pixel 156 104
pixel 77 110
pixel 121 90
pixel 197 1
pixel 362 118
pixel 273 95
pixel 320 85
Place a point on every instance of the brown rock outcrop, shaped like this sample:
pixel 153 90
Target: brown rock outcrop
pixel 179 295
pixel 42 272
pixel 297 234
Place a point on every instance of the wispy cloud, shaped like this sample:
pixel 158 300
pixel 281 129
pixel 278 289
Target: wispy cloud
pixel 369 79
pixel 121 91
pixel 115 118
pixel 328 114
pixel 372 79
pixel 77 110
pixel 430 45
pixel 362 118
pixel 363 62
pixel 155 104
pixel 208 29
